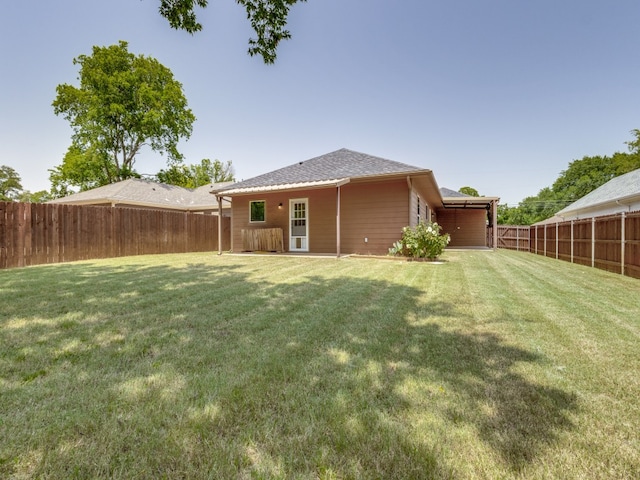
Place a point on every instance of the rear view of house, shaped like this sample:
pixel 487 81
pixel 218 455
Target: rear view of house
pixel 337 203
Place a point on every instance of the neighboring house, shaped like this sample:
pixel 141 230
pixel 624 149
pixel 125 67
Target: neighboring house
pixel 620 194
pixel 341 202
pixel 140 193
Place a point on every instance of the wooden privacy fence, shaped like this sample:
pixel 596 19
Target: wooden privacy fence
pixel 512 237
pixel 610 243
pixel 36 233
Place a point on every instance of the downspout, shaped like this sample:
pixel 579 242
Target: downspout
pixel 409 184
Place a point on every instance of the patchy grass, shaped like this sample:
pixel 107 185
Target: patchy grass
pixel 489 365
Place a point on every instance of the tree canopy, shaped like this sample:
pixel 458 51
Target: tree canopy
pixel 123 103
pixel 194 176
pixel 469 191
pixel 580 178
pixel 268 19
pixel 11 188
pixel 10 184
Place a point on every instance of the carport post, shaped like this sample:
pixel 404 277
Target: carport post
pixel 219 225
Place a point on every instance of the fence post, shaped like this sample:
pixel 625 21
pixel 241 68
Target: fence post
pixel 557 240
pixel 593 241
pixel 545 240
pixel 622 241
pixel 536 238
pixel 572 241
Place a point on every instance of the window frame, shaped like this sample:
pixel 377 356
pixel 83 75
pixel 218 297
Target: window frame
pixel 264 211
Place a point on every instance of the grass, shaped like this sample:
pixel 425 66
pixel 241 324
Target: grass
pixel 490 365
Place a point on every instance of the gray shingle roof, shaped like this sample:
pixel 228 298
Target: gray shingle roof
pixel 208 188
pixel 145 193
pixel 334 166
pixel 447 192
pixel 617 188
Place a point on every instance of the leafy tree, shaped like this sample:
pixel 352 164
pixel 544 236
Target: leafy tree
pixel 532 209
pixel 10 184
pixel 123 103
pixel 84 169
pixel 585 175
pixel 580 178
pixel 268 19
pixel 194 176
pixel 634 145
pixel 469 191
pixel 40 196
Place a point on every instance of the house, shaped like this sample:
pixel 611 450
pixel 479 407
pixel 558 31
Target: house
pixel 620 194
pixel 139 193
pixel 343 202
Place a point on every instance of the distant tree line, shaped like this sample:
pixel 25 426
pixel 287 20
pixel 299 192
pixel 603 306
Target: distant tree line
pixel 580 178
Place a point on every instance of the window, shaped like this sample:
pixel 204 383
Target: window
pixel 418 201
pixel 257 211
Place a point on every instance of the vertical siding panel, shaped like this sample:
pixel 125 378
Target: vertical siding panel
pixel 376 211
pixel 467 227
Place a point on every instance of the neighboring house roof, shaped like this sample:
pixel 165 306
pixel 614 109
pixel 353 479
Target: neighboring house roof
pixel 451 198
pixel 145 193
pixel 335 168
pixel 620 194
pixel 211 187
pixel 616 190
pixel 447 192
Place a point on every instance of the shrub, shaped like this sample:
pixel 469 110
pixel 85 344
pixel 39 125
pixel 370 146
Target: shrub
pixel 422 241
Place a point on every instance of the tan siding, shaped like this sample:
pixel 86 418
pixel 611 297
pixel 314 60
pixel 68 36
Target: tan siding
pixel 417 199
pixel 376 211
pixel 322 220
pixel 275 217
pixel 467 227
pixel 322 217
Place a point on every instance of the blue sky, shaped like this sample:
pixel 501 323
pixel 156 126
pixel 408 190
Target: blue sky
pixel 499 95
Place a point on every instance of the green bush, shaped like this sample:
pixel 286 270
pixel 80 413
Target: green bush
pixel 422 241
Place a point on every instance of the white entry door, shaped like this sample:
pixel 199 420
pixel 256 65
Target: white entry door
pixel 299 225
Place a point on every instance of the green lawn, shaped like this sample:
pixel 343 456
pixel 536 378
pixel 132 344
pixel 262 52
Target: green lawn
pixel 488 365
